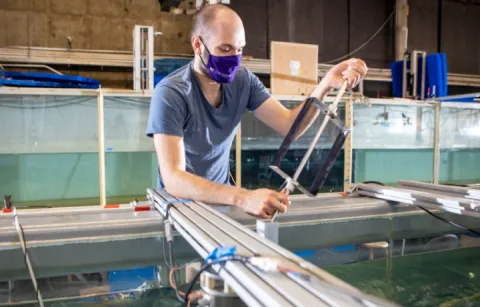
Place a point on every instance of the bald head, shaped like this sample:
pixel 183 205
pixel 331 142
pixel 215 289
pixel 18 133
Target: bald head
pixel 220 29
pixel 213 17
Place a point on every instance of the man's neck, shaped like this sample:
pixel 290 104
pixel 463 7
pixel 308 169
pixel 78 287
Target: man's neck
pixel 210 88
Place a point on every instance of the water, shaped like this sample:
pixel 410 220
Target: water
pixel 446 278
pixel 55 179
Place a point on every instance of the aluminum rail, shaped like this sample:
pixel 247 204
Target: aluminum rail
pixel 455 190
pixel 460 206
pixel 60 240
pixel 206 230
pixel 111 58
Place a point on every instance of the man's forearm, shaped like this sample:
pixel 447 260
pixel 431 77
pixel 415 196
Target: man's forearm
pixel 320 92
pixel 185 185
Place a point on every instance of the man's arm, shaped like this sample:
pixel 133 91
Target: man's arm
pixel 281 119
pixel 182 184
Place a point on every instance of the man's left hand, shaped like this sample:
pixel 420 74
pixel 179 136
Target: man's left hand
pixel 352 70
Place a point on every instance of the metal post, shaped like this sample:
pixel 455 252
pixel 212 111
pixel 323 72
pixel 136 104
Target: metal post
pixel 414 72
pixel 401 28
pixel 136 58
pixel 143 57
pixel 424 74
pixel 347 172
pixel 436 144
pixel 404 76
pixel 238 156
pixel 150 58
pixel 101 148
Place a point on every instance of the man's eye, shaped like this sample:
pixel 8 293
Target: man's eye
pixel 225 49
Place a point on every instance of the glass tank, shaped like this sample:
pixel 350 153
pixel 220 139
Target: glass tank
pixel 459 146
pixel 48 150
pixel 392 142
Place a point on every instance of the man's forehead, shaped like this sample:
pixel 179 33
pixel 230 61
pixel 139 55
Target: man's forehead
pixel 227 34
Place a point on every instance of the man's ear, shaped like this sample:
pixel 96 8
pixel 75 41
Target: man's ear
pixel 197 45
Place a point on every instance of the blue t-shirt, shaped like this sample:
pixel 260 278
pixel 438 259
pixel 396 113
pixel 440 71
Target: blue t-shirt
pixel 179 108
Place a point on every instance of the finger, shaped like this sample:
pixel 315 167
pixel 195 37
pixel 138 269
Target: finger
pixel 266 214
pixel 358 65
pixel 359 69
pixel 365 68
pixel 357 79
pixel 349 81
pixel 275 203
pixel 283 197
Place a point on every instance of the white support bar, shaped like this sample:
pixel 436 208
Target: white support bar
pixel 136 58
pixel 150 58
pixel 101 150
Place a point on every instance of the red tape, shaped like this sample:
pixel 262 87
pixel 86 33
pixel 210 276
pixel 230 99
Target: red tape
pixel 142 208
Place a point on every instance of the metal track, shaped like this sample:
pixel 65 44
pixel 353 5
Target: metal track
pixel 452 204
pixel 454 190
pixel 206 230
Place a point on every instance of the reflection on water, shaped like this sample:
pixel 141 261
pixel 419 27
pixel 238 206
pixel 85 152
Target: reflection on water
pixel 444 278
pixel 85 291
pixel 431 271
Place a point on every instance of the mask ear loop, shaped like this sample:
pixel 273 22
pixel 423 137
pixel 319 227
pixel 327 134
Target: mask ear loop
pixel 204 64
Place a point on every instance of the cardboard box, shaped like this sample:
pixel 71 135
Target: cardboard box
pixel 294 68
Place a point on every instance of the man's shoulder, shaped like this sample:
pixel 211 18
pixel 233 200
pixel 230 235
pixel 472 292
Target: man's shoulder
pixel 177 82
pixel 243 74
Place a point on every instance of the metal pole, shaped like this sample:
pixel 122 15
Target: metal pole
pixel 238 156
pixel 404 77
pixel 136 58
pixel 414 72
pixel 347 164
pixel 424 74
pixel 401 28
pixel 150 58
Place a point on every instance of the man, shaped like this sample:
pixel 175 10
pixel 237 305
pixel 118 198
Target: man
pixel 195 111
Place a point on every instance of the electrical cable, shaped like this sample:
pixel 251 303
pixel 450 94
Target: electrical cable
pixel 179 297
pixel 448 221
pixel 433 214
pixel 26 258
pixel 207 266
pixel 364 44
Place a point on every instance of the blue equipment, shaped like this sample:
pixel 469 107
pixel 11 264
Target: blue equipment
pixel 36 79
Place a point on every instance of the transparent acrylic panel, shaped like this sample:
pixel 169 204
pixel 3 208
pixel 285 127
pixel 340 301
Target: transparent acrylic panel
pixel 459 146
pixel 260 144
pixel 130 159
pixel 392 143
pixel 49 150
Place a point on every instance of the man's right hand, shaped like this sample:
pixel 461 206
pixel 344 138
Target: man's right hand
pixel 263 203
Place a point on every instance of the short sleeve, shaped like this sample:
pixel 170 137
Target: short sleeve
pixel 167 113
pixel 258 93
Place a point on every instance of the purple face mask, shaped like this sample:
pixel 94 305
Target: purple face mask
pixel 222 69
